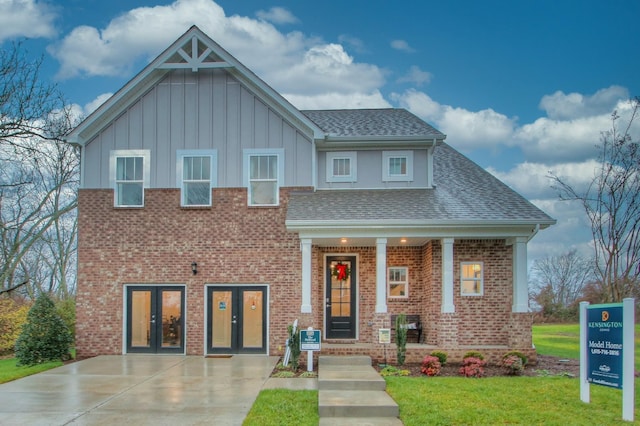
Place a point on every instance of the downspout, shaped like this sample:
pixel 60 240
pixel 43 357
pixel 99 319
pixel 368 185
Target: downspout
pixel 430 152
pixel 314 174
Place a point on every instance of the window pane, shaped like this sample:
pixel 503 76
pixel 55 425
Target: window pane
pixel 137 168
pixel 120 165
pixel 273 167
pixel 129 194
pixel 472 270
pixel 206 168
pixel 263 192
pixel 196 193
pixel 341 167
pixel 397 166
pixel 471 287
pixel 397 290
pixel 187 168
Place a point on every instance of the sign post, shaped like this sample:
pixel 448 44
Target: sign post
pixel 607 350
pixel 310 341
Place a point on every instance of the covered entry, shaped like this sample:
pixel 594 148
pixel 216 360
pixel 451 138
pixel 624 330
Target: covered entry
pixel 236 319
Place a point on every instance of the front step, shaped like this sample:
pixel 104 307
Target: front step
pixel 351 360
pixel 350 377
pixel 360 421
pixel 356 404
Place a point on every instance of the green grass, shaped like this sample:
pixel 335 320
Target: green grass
pixel 503 400
pixel 284 407
pixel 9 371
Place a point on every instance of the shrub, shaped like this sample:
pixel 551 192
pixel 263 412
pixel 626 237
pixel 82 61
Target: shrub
pixel 442 357
pixel 401 338
pixel 44 337
pixel 431 365
pixel 67 310
pixel 390 370
pixel 12 316
pixel 294 345
pixel 520 355
pixel 473 354
pixel 472 367
pixel 513 365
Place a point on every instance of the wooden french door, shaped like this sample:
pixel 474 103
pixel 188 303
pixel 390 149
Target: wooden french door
pixel 340 306
pixel 237 319
pixel 155 319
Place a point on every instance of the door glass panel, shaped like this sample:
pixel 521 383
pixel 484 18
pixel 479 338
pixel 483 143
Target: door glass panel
pixel 252 319
pixel 340 289
pixel 221 319
pixel 140 319
pixel 171 314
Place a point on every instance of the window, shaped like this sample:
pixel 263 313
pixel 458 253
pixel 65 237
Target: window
pixel 398 282
pixel 397 166
pixel 129 175
pixel 341 166
pixel 471 279
pixel 196 176
pixel 264 170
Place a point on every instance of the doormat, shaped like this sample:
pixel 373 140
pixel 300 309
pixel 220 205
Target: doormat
pixel 219 356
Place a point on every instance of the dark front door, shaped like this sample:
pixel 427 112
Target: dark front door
pixel 340 299
pixel 237 320
pixel 155 320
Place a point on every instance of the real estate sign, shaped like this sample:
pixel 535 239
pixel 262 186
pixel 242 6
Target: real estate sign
pixel 604 348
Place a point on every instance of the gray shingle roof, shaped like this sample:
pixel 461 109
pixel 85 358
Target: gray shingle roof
pixel 390 122
pixel 464 192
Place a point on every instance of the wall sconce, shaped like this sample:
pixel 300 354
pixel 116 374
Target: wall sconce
pixel 194 268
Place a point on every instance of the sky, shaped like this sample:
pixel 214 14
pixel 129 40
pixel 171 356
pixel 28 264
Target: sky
pixel 523 88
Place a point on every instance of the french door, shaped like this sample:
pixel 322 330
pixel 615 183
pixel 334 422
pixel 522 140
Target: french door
pixel 155 319
pixel 236 319
pixel 340 306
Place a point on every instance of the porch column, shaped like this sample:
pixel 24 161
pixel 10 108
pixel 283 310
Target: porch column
pixel 381 275
pixel 447 276
pixel 305 247
pixel 520 289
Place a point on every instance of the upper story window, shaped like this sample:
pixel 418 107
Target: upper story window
pixel 398 282
pixel 264 174
pixel 397 166
pixel 471 278
pixel 342 166
pixel 196 176
pixel 129 175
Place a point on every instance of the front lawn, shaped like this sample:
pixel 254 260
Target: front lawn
pixel 9 371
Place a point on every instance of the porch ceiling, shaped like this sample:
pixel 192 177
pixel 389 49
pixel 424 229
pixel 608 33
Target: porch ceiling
pixel 347 241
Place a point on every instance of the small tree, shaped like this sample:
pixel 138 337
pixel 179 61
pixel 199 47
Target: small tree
pixel 294 345
pixel 45 336
pixel 401 337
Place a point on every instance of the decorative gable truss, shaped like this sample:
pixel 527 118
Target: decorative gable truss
pixel 194 54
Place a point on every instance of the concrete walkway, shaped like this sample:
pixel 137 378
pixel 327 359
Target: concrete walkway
pixel 138 390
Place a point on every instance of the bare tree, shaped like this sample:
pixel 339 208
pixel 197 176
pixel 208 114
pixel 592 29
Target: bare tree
pixel 558 283
pixel 38 175
pixel 612 204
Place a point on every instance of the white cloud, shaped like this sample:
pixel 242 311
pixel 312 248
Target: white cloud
pixel 561 106
pixel 416 76
pixel 277 15
pixel 402 45
pixel 26 18
pixel 339 100
pixel 356 44
pixel 466 130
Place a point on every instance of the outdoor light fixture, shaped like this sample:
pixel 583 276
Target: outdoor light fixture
pixel 194 268
pixel 403 240
pixel 343 240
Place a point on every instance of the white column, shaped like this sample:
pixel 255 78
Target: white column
pixel 381 275
pixel 520 289
pixel 447 276
pixel 305 247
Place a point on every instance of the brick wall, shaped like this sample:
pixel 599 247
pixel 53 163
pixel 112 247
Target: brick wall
pixel 232 244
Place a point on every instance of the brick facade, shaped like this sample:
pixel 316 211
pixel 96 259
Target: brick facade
pixel 236 244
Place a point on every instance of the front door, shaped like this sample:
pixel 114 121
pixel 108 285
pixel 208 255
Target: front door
pixel 237 320
pixel 340 314
pixel 155 320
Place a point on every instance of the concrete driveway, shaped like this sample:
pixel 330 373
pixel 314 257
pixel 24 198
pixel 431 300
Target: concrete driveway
pixel 138 390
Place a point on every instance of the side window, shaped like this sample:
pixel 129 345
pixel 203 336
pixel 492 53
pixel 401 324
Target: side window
pixel 129 175
pixel 342 166
pixel 196 171
pixel 264 171
pixel 398 282
pixel 397 166
pixel 471 278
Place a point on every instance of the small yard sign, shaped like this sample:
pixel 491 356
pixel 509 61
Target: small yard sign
pixel 309 340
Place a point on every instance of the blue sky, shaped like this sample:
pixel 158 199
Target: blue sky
pixel 521 87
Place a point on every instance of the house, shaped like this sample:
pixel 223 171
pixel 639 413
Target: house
pixel 213 213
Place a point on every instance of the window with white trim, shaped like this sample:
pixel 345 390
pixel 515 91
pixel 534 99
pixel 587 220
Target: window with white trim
pixel 471 278
pixel 129 175
pixel 264 174
pixel 196 174
pixel 341 166
pixel 397 166
pixel 398 282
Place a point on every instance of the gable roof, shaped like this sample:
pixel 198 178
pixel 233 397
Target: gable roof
pixel 465 195
pixel 193 50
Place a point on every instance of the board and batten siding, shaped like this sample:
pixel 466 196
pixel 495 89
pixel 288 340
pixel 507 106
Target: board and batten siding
pixel 370 171
pixel 209 109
